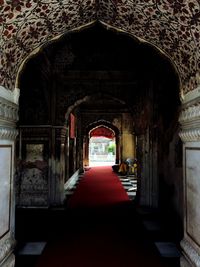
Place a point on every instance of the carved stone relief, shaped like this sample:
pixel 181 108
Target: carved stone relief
pixel 190 121
pixel 8 110
pixel 34 152
pixel 172 27
pixel 31 177
pixel 8 118
pixel 33 188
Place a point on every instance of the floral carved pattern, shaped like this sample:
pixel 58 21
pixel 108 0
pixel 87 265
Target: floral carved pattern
pixel 25 25
pixel 172 26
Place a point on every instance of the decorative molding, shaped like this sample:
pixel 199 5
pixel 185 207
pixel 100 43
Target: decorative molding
pixel 178 40
pixel 8 133
pixel 12 96
pixel 190 135
pixel 190 113
pixel 33 131
pixel 8 110
pixel 191 95
pixel 6 247
pixel 191 253
pixel 190 121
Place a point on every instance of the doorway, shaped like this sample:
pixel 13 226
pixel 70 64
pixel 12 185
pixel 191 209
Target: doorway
pixel 102 151
pixel 102 146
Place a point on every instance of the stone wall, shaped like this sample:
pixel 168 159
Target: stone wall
pixel 31 177
pixel 171 185
pixel 39 175
pixel 8 133
pixel 190 135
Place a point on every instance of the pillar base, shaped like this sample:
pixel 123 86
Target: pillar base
pixel 190 257
pixel 184 262
pixel 9 261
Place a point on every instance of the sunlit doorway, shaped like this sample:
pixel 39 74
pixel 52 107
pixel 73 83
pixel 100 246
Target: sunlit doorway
pixel 102 147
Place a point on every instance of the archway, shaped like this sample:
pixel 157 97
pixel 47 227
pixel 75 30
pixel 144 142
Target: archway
pixel 102 146
pixel 126 93
pixel 165 28
pixel 112 141
pixel 101 87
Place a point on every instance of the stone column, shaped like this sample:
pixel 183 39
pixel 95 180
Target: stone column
pixel 86 151
pixel 147 170
pixel 117 160
pixel 190 135
pixel 8 133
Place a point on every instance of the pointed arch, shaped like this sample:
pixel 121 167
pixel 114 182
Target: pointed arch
pixel 106 125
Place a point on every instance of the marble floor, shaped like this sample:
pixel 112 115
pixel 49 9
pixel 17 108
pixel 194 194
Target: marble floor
pixel 32 248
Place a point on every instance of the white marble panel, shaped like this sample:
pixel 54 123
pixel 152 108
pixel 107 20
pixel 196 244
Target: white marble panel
pixel 192 190
pixel 5 182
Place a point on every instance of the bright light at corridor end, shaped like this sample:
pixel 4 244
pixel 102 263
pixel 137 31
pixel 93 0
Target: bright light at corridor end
pixel 102 151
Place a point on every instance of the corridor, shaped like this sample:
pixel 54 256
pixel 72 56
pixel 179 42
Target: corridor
pixel 128 71
pixel 99 226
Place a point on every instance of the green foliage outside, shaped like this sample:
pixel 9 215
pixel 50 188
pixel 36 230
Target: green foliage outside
pixel 111 149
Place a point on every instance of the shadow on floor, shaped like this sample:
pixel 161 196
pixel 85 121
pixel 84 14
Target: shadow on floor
pixel 107 236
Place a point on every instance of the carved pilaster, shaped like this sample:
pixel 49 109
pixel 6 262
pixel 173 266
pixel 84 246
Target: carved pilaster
pixel 190 134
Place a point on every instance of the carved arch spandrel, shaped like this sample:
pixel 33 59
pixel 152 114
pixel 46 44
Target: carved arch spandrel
pixel 171 26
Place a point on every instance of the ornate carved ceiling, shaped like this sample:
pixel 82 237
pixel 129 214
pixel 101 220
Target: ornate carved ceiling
pixel 172 26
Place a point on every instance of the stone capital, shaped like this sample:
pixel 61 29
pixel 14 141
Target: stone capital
pixel 190 112
pixel 189 120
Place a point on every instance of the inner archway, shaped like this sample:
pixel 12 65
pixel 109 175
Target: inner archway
pixel 110 80
pixel 102 146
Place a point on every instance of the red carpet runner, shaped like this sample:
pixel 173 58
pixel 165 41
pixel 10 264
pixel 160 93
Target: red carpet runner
pixel 88 236
pixel 99 187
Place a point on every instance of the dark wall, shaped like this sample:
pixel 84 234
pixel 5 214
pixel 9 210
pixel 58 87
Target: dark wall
pixel 89 62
